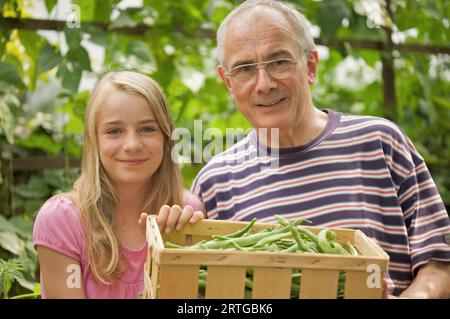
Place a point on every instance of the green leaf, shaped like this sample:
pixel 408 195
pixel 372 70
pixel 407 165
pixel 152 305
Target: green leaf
pixel 73 37
pixel 5 225
pixel 48 58
pixel 25 283
pixel 441 101
pixel 44 98
pixel 6 121
pixel 32 206
pixel 36 188
pixel 10 74
pixel 87 9
pixel 331 14
pixel 81 57
pixel 40 142
pixel 140 49
pixel 50 4
pixel 23 227
pixel 71 76
pixel 103 10
pixel 10 242
pixel 125 20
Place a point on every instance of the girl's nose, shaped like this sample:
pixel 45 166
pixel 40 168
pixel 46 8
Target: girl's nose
pixel 132 143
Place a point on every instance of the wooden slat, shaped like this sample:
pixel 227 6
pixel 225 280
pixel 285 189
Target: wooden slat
pixel 154 277
pixel 225 282
pixel 367 246
pixel 356 286
pixel 153 234
pixel 175 237
pixel 148 286
pixel 319 284
pixel 266 259
pixel 39 163
pixel 178 282
pixel 273 283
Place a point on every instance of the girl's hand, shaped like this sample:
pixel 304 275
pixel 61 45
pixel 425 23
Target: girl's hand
pixel 174 218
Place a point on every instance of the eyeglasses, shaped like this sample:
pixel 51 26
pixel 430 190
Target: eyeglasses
pixel 278 69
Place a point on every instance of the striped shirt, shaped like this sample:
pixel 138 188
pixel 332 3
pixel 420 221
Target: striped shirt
pixel 361 172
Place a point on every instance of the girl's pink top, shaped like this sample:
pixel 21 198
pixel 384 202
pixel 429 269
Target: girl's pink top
pixel 58 226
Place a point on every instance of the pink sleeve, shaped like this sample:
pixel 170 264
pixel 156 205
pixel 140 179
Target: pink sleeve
pixel 192 200
pixel 58 227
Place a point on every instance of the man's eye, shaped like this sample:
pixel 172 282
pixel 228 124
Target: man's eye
pixel 280 62
pixel 245 69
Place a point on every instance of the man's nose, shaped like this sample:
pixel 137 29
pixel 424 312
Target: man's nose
pixel 264 81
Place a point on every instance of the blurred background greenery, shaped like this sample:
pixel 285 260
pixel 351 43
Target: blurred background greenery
pixel 387 58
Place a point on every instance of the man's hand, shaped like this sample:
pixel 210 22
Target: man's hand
pixel 174 218
pixel 432 282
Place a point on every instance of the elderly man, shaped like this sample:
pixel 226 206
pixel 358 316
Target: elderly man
pixel 334 169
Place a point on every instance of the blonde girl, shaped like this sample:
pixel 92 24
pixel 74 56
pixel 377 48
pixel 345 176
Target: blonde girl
pixel 88 240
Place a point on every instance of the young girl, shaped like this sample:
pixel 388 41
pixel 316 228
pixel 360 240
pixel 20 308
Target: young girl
pixel 88 240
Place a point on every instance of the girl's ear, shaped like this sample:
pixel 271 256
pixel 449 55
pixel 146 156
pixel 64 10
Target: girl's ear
pixel 312 60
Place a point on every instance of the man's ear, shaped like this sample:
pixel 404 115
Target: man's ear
pixel 312 60
pixel 224 78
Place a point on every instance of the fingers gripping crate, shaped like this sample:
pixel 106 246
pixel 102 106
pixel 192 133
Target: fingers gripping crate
pixel 174 273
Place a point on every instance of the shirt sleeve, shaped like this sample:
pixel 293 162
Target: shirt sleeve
pixel 426 218
pixel 58 227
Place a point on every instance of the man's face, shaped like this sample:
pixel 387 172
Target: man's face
pixel 261 35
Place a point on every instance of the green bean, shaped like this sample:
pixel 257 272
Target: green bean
pixel 339 249
pixel 352 249
pixel 235 245
pixel 301 244
pixel 172 245
pixel 291 249
pixel 324 238
pixel 309 234
pixel 220 237
pixel 243 231
pixel 272 238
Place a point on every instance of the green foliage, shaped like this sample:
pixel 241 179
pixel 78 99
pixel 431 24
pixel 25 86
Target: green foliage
pixel 10 272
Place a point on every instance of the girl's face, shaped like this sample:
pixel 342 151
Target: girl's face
pixel 129 137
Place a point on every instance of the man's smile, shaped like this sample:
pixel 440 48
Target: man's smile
pixel 271 104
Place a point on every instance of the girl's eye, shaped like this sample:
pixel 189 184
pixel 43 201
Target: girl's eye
pixel 114 131
pixel 147 129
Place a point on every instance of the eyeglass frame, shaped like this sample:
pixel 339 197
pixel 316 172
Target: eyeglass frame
pixel 262 64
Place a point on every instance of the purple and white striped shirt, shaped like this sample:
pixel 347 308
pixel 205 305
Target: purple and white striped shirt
pixel 361 172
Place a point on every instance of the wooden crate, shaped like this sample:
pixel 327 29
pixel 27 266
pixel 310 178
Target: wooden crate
pixel 174 273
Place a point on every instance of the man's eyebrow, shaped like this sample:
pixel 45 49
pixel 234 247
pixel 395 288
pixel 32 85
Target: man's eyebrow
pixel 241 62
pixel 279 53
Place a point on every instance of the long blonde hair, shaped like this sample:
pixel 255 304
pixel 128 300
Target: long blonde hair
pixel 93 192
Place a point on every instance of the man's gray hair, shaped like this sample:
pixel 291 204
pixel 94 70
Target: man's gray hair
pixel 296 20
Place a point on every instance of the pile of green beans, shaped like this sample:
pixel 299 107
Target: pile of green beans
pixel 286 237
